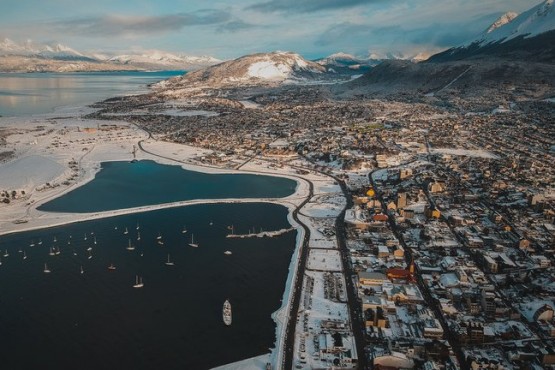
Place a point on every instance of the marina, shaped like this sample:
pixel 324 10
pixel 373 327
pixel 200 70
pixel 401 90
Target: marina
pixel 98 307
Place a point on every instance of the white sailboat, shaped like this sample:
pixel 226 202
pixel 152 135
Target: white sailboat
pixel 169 263
pixel 138 236
pixel 130 247
pixel 138 282
pixel 192 243
pixel 32 244
pixel 159 237
pixel 46 269
pixel 82 271
pixel 6 254
pixel 52 251
pixel 85 238
pixel 40 242
pixel 111 267
pixel 138 226
pixel 126 231
pixel 227 253
pixel 24 255
pixel 95 240
pixel 184 230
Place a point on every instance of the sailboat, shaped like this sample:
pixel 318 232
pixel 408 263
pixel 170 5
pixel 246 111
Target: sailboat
pixel 32 244
pixel 85 238
pixel 89 248
pixel 126 231
pixel 46 270
pixel 138 282
pixel 90 255
pixel 52 252
pixel 55 240
pixel 6 254
pixel 24 255
pixel 192 243
pixel 0 261
pixel 184 230
pixel 130 247
pixel 82 271
pixel 138 236
pixel 57 251
pixel 226 313
pixel 40 242
pixel 95 240
pixel 159 237
pixel 138 226
pixel 111 267
pixel 169 263
pixel 227 253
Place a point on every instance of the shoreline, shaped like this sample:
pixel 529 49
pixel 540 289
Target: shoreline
pixel 90 163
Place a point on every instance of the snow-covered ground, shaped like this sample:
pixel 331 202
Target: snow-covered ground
pixel 465 152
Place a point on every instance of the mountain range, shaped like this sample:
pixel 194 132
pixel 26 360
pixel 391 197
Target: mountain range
pixel 35 57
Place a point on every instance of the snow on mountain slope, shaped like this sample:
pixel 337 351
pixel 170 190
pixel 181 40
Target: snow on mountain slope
pixel 29 48
pixel 535 21
pixel 161 58
pixel 529 36
pixel 501 21
pixel 255 70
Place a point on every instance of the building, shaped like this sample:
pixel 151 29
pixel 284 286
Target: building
pixel 371 278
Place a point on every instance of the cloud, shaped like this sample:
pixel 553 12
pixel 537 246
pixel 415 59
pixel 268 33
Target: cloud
pixel 235 26
pixel 293 6
pixel 110 25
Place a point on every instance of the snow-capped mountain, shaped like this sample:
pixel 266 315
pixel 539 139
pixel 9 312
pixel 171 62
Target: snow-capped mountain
pixel 347 63
pixel 49 51
pixel 256 69
pixel 30 56
pixel 161 59
pixel 529 35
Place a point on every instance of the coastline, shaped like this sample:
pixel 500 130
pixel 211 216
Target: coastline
pixel 103 151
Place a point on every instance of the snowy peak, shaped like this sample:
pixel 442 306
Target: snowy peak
pixel 161 59
pixel 277 66
pixel 270 67
pixel 533 22
pixel 528 36
pixel 250 70
pixel 501 21
pixel 29 48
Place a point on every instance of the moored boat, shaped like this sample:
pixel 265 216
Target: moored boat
pixel 226 313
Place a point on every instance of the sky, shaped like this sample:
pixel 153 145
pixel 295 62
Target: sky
pixel 229 29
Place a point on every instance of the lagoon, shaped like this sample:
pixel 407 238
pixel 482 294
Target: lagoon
pixel 121 185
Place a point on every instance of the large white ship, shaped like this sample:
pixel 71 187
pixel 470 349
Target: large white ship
pixel 226 313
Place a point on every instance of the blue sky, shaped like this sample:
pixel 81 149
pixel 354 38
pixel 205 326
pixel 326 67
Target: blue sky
pixel 228 29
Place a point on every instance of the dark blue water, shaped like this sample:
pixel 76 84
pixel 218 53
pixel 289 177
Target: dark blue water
pixel 97 320
pixel 124 185
pixel 23 94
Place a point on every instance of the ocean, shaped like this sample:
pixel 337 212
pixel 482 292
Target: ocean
pixel 25 94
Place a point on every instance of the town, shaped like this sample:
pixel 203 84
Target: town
pixel 449 227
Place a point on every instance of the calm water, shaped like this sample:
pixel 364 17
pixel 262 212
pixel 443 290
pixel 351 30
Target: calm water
pixel 125 185
pixel 97 320
pixel 23 94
